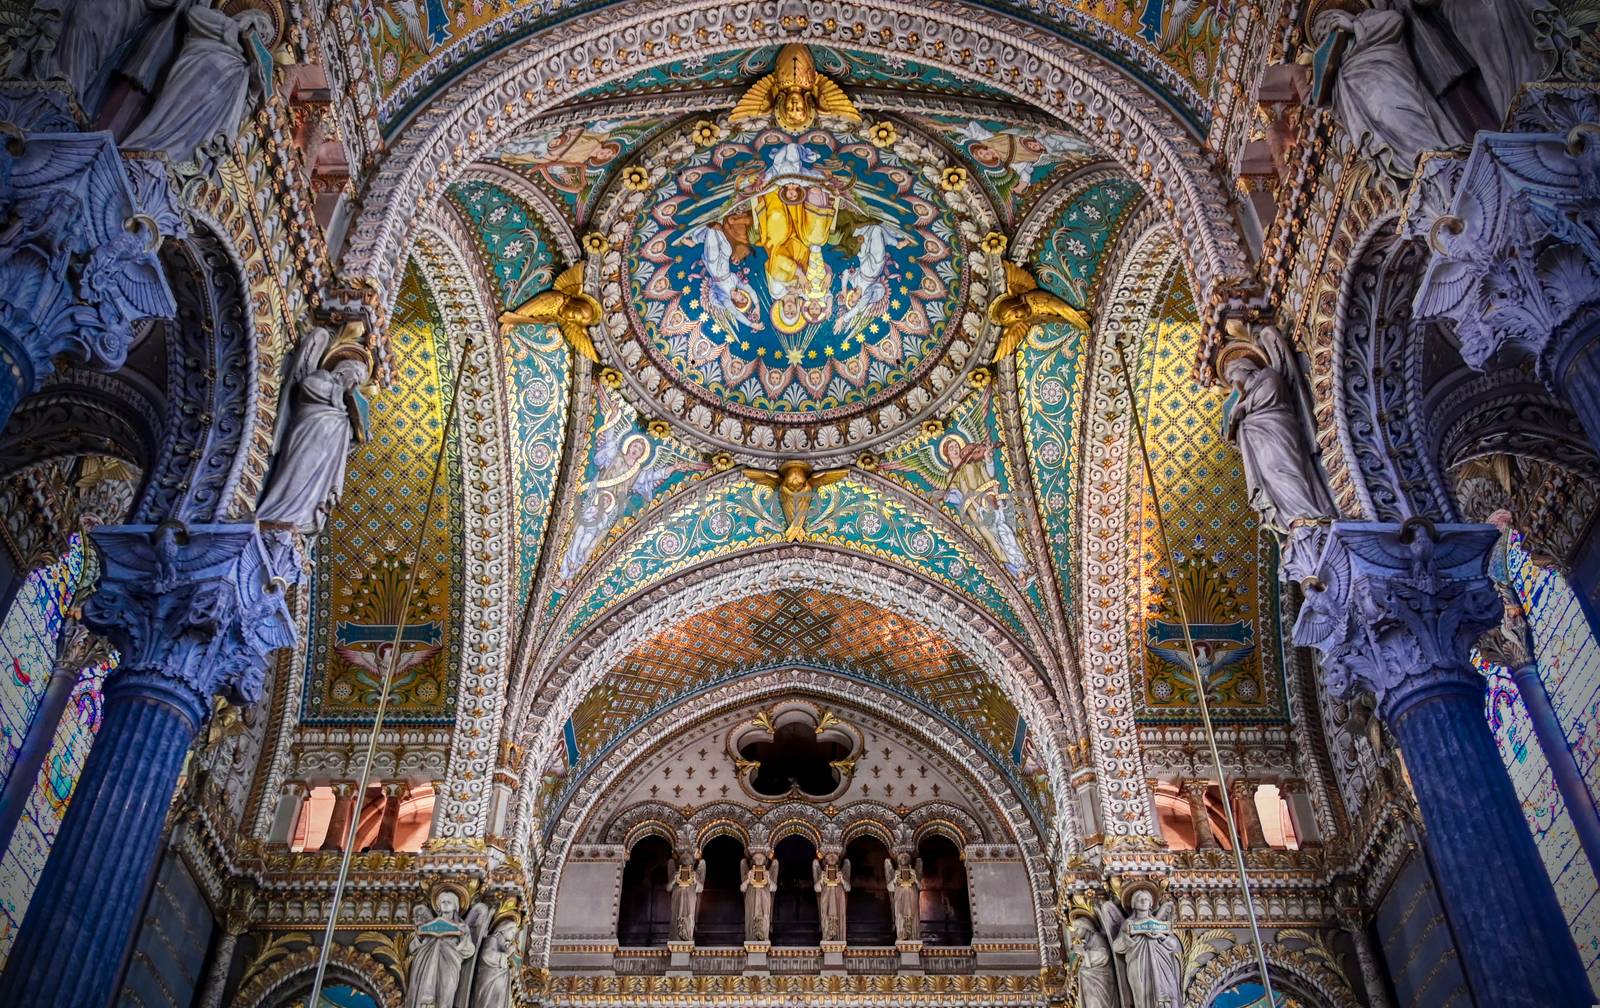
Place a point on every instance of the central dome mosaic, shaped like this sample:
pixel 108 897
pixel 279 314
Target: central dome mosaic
pixel 790 277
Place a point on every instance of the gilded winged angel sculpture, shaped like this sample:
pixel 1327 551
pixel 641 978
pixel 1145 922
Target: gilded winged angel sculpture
pixel 565 305
pixel 1024 305
pixel 794 93
pixel 795 484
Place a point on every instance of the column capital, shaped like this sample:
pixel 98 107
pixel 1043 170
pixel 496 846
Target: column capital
pixel 1516 250
pixel 193 610
pixel 78 263
pixel 1395 609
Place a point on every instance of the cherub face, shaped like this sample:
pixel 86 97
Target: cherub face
pixel 794 107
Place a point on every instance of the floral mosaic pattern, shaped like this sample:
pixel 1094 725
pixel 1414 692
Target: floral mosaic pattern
pixel 511 240
pixel 1071 252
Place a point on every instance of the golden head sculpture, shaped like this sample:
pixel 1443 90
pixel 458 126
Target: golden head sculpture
pixel 794 93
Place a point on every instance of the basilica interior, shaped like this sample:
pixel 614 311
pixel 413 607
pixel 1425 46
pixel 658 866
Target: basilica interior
pixel 971 503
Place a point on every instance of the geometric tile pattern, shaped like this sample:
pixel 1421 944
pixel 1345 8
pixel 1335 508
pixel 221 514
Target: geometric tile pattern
pixel 798 624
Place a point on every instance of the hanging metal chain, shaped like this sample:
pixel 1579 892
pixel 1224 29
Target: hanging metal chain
pixel 389 669
pixel 1200 684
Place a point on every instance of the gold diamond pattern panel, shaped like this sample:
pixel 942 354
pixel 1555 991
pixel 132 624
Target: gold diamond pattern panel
pixel 365 549
pixel 800 625
pixel 1224 579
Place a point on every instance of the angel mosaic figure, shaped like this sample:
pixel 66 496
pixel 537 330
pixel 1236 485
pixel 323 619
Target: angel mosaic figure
pixel 440 949
pixel 1150 954
pixel 905 888
pixel 627 467
pixel 758 881
pixel 830 879
pixel 959 468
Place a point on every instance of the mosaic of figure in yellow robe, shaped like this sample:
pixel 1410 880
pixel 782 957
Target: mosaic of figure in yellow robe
pixel 794 217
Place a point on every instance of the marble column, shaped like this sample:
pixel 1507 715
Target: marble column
pixel 394 792
pixel 344 796
pixel 193 612
pixel 291 803
pixel 1395 611
pixel 78 265
pixel 1302 813
pixel 1195 792
pixel 1242 792
pixel 1552 739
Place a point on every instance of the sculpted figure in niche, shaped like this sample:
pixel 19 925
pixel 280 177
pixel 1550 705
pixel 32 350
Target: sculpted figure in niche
pixel 1151 955
pixel 1500 37
pixel 831 881
pixel 206 91
pixel 758 881
pixel 1268 420
pixel 1098 983
pixel 441 947
pixel 322 414
pixel 1376 88
pixel 78 42
pixel 497 960
pixel 686 881
pixel 905 889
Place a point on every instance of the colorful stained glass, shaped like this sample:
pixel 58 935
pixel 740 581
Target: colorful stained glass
pixel 23 862
pixel 1569 665
pixel 28 648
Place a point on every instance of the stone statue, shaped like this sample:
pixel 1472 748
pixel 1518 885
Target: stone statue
pixel 1098 986
pixel 830 878
pixel 758 881
pixel 905 889
pixel 1268 421
pixel 443 944
pixel 80 42
pixel 206 90
pixel 685 881
pixel 326 413
pixel 1500 37
pixel 1151 955
pixel 496 963
pixel 1377 91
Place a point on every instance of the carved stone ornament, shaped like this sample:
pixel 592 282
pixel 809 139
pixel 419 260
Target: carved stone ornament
pixel 1516 263
pixel 78 262
pixel 1396 609
pixel 194 611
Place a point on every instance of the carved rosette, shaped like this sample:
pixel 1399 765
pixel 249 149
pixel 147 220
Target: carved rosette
pixel 1395 610
pixel 193 611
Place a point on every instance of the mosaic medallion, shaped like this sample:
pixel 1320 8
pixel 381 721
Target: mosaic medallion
pixel 784 292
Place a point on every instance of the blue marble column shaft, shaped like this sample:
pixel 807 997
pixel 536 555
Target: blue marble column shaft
pixel 1514 943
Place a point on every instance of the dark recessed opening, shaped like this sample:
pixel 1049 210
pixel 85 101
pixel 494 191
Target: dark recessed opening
pixel 795 758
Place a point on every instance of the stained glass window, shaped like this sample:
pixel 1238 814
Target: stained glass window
pixel 29 636
pixel 1569 666
pixel 28 648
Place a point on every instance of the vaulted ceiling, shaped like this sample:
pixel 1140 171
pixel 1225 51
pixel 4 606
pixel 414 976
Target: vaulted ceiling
pixel 768 295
